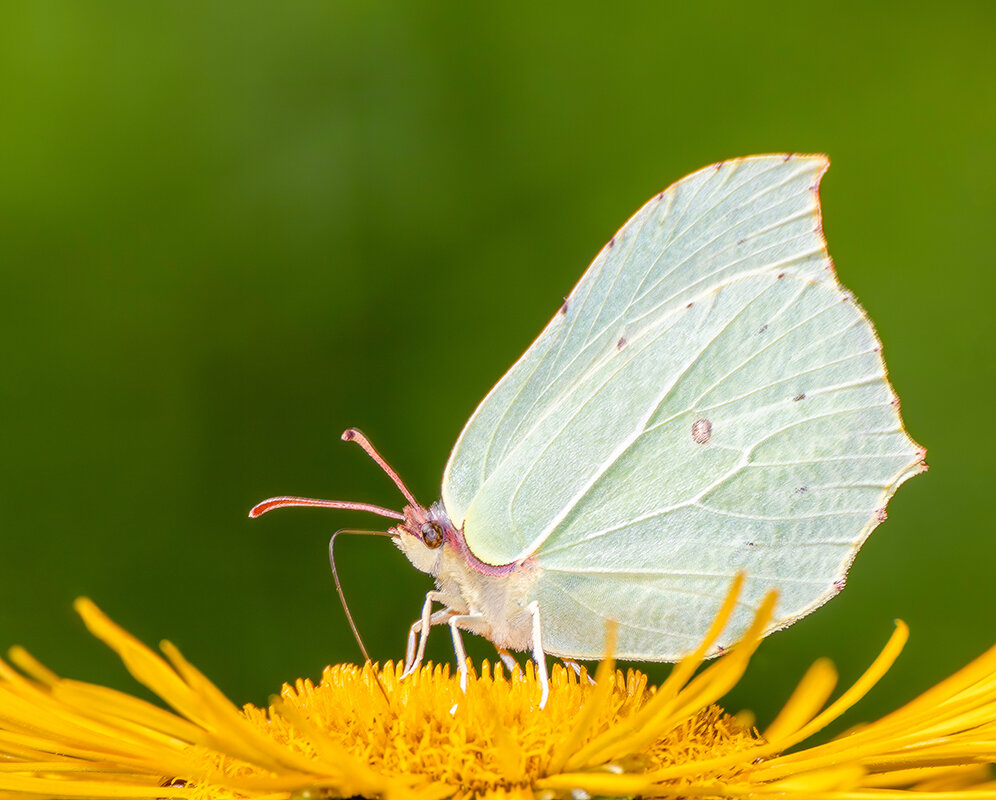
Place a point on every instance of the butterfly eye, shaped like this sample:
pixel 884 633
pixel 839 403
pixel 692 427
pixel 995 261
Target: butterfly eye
pixel 432 535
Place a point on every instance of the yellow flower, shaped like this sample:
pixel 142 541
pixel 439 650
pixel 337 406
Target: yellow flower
pixel 361 731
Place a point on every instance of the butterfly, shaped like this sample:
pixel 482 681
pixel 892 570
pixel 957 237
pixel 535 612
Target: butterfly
pixel 708 401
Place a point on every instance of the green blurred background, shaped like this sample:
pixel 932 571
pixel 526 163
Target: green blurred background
pixel 230 230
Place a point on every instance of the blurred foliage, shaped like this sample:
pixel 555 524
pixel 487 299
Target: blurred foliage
pixel 229 231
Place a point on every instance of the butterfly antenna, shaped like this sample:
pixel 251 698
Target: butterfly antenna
pixel 353 435
pixel 287 502
pixel 342 596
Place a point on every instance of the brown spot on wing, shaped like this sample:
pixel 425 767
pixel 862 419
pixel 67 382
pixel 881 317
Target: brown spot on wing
pixel 701 431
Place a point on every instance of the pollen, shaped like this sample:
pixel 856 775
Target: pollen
pixel 493 737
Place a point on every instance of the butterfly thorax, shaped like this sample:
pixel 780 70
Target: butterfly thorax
pixel 468 586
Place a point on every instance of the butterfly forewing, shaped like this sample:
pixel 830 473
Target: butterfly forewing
pixel 709 400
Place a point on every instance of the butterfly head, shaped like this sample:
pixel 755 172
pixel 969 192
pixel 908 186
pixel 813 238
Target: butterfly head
pixel 424 535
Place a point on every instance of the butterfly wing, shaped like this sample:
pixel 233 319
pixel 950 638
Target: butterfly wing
pixel 709 400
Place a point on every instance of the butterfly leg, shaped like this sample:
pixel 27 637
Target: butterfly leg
pixel 469 622
pixel 538 655
pixel 507 659
pixel 420 628
pixel 575 667
pixel 413 660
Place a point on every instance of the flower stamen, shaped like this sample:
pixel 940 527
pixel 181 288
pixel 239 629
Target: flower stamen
pixel 618 738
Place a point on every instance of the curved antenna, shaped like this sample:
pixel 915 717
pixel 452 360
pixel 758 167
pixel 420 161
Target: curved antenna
pixel 353 435
pixel 287 502
pixel 338 585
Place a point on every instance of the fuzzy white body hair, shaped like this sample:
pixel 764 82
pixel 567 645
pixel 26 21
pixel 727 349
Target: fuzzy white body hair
pixel 500 600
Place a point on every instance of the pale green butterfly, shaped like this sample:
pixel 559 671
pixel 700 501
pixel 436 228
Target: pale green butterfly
pixel 708 401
